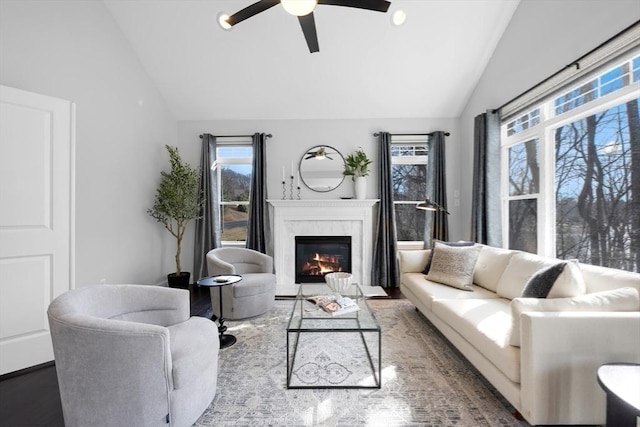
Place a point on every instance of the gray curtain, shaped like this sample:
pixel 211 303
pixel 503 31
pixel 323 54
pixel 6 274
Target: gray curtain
pixel 208 224
pixel 486 216
pixel 258 233
pixel 385 271
pixel 436 223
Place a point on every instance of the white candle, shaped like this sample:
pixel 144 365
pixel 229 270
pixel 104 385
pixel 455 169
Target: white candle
pixel 291 169
pixel 283 174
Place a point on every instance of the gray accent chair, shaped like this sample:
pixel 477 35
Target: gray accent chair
pixel 254 294
pixel 131 355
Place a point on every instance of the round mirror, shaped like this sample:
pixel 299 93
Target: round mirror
pixel 321 168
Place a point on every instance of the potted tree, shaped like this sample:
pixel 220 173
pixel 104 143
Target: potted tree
pixel 357 167
pixel 177 202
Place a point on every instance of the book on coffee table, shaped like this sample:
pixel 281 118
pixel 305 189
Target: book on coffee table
pixel 335 306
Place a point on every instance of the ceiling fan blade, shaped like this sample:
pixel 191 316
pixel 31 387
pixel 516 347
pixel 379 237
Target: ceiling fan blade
pixel 375 5
pixel 308 25
pixel 251 10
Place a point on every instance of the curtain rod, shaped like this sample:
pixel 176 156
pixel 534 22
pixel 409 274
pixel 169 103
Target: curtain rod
pixel 412 134
pixel 575 63
pixel 236 136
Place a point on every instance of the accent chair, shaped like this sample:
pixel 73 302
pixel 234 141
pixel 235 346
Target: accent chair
pixel 131 355
pixel 254 294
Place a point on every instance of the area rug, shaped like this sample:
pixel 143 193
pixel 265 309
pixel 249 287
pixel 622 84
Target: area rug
pixel 425 381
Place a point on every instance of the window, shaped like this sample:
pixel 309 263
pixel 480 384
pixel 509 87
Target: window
pixel 594 172
pixel 524 173
pixel 409 177
pixel 234 167
pixel 571 181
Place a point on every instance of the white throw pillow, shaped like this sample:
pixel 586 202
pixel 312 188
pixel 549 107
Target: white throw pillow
pixel 623 299
pixel 453 265
pixel 523 265
pixel 490 266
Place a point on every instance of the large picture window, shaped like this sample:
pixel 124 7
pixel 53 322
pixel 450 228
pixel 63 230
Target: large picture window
pixel 571 171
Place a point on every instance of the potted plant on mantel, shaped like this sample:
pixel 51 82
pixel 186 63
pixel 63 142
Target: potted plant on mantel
pixel 357 167
pixel 177 202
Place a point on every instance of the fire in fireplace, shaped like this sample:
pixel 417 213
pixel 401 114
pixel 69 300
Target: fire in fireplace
pixel 319 255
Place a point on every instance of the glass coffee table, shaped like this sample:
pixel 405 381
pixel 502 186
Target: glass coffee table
pixel 325 351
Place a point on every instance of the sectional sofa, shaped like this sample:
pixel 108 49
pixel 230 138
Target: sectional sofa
pixel 541 354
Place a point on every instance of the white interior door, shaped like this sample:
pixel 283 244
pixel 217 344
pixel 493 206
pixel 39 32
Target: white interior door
pixel 36 221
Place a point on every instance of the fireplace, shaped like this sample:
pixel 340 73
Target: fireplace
pixel 319 255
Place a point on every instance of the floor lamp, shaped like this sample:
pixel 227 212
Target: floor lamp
pixel 429 205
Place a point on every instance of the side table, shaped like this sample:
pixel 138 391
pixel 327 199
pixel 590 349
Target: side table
pixel 621 382
pixel 226 340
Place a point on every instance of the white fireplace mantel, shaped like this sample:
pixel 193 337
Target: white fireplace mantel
pixel 329 217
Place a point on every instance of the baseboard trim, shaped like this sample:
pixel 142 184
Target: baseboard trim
pixel 27 370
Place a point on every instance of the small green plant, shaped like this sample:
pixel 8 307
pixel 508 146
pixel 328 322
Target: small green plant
pixel 177 199
pixel 357 165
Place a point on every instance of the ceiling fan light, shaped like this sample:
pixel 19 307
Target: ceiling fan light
pixel 299 7
pixel 398 17
pixel 222 21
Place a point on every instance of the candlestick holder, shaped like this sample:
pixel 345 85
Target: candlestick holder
pixel 284 191
pixel 291 189
pixel 298 192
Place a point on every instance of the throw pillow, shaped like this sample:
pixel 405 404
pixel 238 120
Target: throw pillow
pixel 539 285
pixel 622 299
pixel 433 244
pixel 523 265
pixel 453 265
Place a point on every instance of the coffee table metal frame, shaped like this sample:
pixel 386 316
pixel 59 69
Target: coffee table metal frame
pixel 304 319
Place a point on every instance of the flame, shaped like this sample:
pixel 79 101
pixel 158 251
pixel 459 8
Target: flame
pixel 320 265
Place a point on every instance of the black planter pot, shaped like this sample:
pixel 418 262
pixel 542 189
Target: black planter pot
pixel 179 281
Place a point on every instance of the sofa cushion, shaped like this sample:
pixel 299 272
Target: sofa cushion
pixel 191 349
pixel 604 278
pixel 523 265
pixel 428 291
pixel 485 324
pixel 490 265
pixel 539 285
pixel 433 245
pixel 623 299
pixel 453 266
pixel 413 261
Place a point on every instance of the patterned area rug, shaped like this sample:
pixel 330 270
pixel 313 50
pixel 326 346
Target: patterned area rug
pixel 425 382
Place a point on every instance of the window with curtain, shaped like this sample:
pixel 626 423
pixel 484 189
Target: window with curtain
pixel 571 170
pixel 234 168
pixel 409 174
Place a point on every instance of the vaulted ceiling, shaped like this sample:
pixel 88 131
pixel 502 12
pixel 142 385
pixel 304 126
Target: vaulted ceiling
pixel 366 67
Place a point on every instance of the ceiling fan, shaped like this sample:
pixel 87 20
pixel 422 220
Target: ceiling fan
pixel 303 9
pixel 319 154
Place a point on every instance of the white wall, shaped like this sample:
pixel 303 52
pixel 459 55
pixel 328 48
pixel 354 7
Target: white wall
pixel 292 138
pixel 74 50
pixel 542 38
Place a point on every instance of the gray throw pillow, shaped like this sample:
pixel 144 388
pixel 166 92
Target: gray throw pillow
pixel 453 265
pixel 433 244
pixel 539 285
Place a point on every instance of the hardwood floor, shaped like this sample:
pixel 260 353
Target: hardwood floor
pixel 31 397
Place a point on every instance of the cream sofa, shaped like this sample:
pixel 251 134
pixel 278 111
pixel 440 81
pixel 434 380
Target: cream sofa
pixel 592 318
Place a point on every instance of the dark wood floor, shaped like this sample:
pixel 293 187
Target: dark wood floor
pixel 31 397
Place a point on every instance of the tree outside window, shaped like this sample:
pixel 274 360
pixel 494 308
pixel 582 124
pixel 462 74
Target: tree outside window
pixel 598 188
